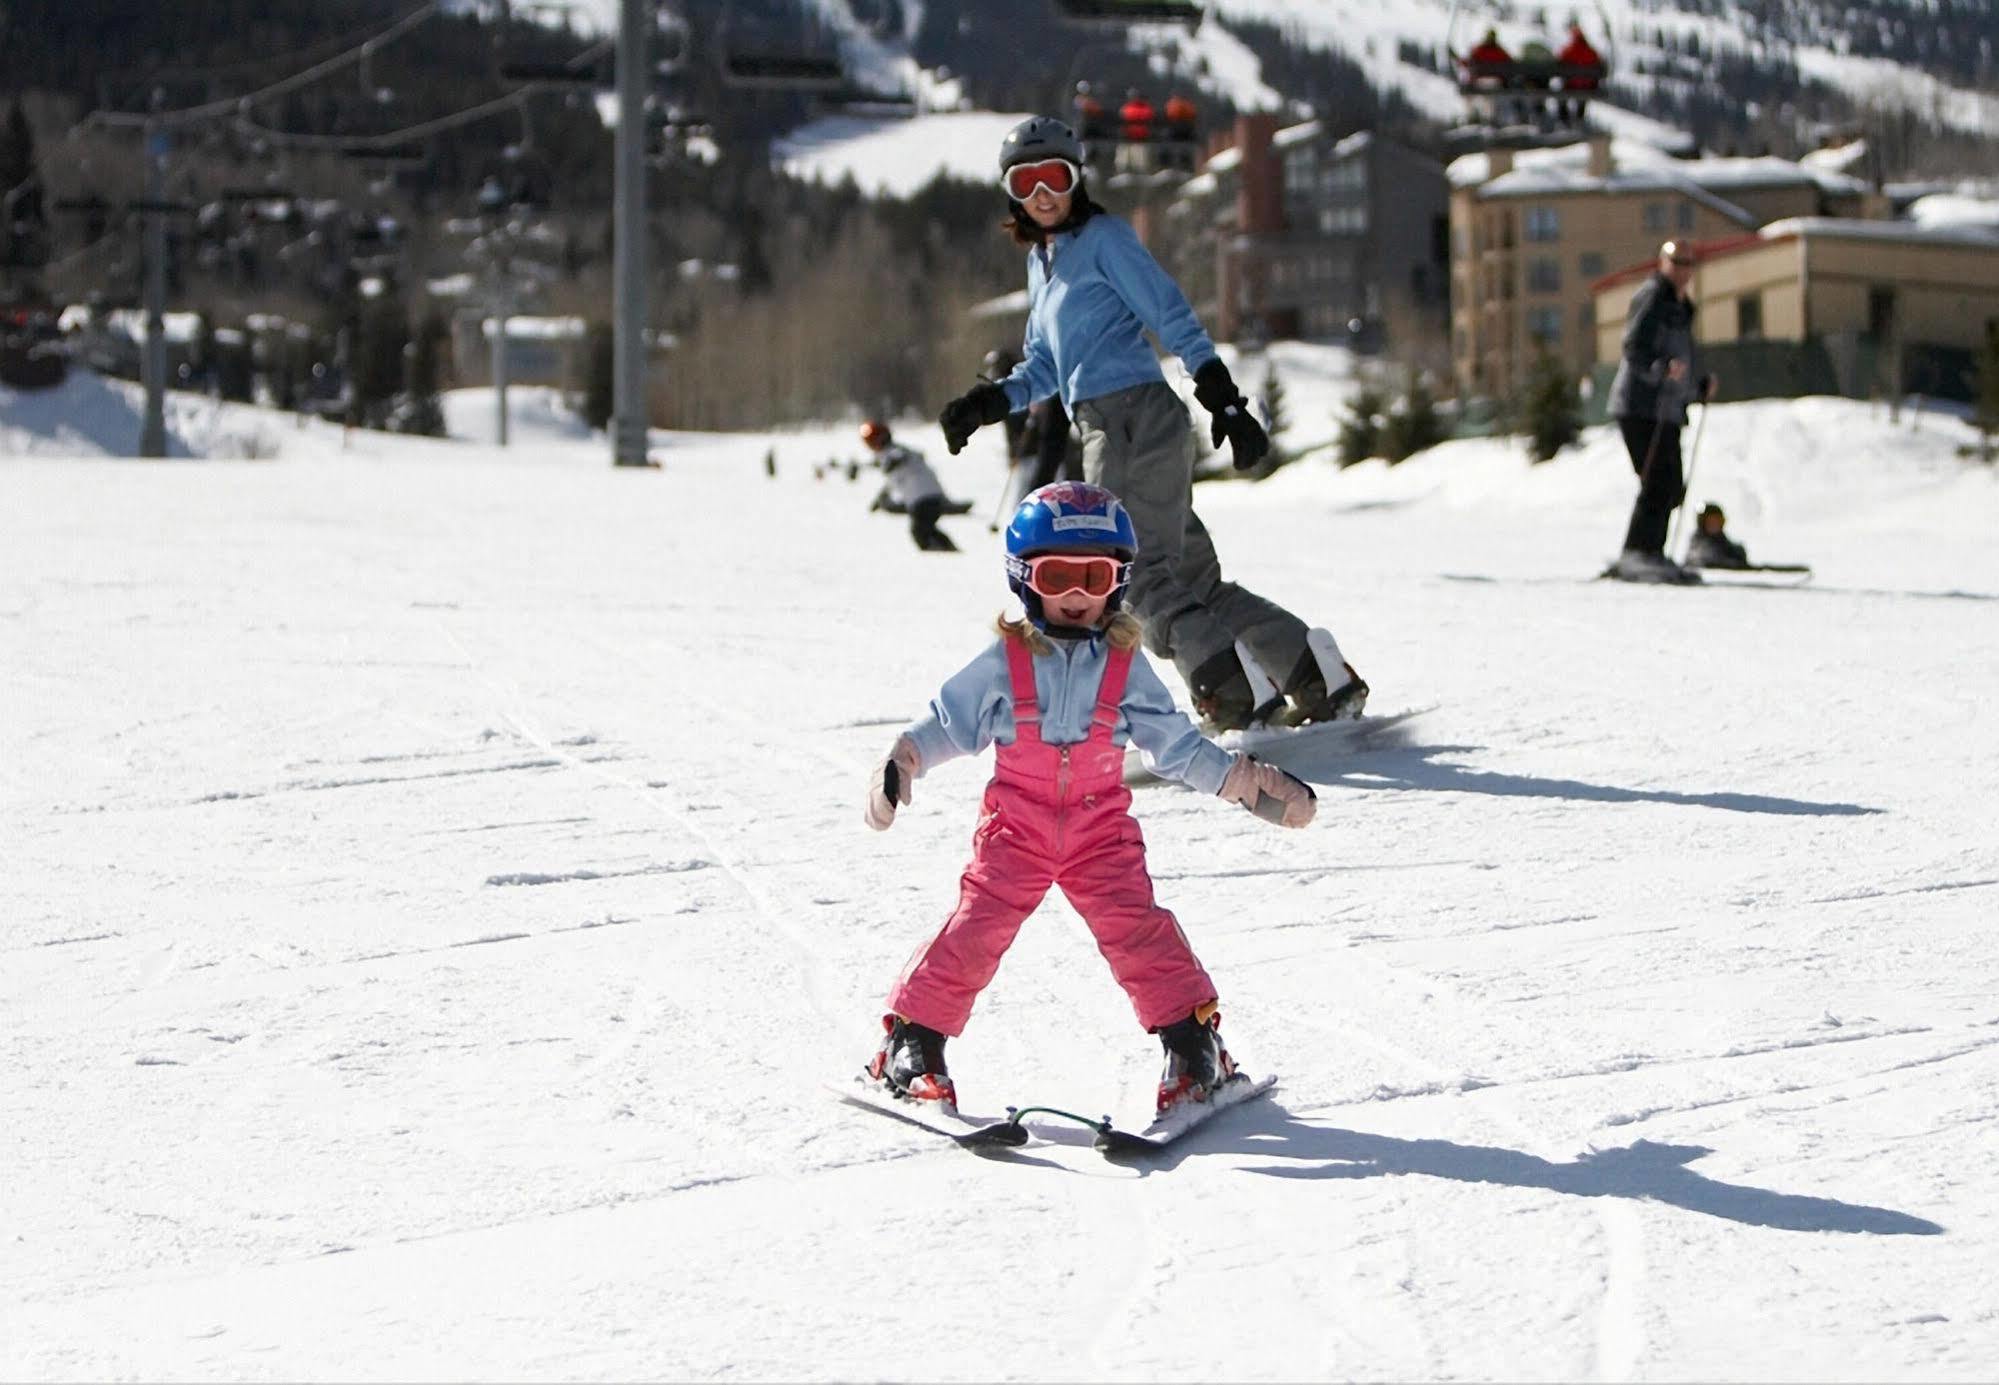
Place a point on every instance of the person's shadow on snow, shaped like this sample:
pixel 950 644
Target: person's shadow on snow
pixel 1648 1171
pixel 1395 761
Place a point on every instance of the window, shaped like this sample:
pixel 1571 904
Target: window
pixel 1544 325
pixel 1586 320
pixel 1544 275
pixel 1590 264
pixel 1881 312
pixel 1655 216
pixel 1298 172
pixel 1544 223
pixel 1749 316
pixel 1683 216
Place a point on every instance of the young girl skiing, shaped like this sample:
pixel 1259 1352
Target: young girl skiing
pixel 1061 692
pixel 1094 291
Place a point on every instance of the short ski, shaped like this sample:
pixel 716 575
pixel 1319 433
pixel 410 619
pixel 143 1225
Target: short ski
pixel 982 1134
pixel 1161 1135
pixel 998 1137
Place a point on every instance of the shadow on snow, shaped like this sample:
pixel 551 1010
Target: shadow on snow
pixel 1395 763
pixel 1646 1171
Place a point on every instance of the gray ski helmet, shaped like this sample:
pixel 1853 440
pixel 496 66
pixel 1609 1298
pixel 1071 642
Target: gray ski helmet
pixel 1039 137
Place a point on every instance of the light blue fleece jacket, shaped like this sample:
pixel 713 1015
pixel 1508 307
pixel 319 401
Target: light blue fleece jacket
pixel 975 708
pixel 1092 293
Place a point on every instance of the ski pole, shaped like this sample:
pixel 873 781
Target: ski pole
pixel 1006 490
pixel 1687 483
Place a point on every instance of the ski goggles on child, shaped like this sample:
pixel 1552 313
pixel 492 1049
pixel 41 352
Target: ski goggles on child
pixel 1053 574
pixel 1057 175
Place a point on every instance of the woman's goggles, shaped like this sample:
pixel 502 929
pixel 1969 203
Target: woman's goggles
pixel 1057 175
pixel 1053 574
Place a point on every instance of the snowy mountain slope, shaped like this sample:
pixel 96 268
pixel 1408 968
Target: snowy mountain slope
pixel 435 895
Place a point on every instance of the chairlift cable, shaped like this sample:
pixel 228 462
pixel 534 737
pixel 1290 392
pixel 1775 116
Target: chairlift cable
pixel 191 114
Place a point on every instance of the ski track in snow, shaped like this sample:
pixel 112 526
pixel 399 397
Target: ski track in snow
pixel 436 898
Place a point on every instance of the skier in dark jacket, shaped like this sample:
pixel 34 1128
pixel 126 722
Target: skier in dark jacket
pixel 1648 398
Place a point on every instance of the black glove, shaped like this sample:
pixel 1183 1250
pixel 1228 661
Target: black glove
pixel 1216 391
pixel 983 403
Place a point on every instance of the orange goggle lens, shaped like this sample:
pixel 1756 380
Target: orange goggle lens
pixel 1057 175
pixel 1054 575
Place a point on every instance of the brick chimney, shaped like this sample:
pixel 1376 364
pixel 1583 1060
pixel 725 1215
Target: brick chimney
pixel 1599 165
pixel 1260 181
pixel 1497 162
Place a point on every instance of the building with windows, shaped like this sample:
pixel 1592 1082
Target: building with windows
pixel 1314 236
pixel 1531 233
pixel 1835 306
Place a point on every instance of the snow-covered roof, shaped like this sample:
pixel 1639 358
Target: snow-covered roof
pixel 537 328
pixel 1547 182
pixel 1839 158
pixel 1898 232
pixel 1942 209
pixel 1301 133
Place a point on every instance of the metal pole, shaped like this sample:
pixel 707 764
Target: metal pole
pixel 628 347
pixel 1687 484
pixel 502 309
pixel 153 360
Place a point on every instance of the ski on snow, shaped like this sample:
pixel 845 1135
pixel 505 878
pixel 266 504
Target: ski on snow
pixel 998 1137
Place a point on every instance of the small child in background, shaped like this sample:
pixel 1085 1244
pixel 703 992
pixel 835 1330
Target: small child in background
pixel 1060 693
pixel 909 487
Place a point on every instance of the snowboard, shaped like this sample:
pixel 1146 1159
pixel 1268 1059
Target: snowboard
pixel 1289 747
pixel 1757 575
pixel 1018 1128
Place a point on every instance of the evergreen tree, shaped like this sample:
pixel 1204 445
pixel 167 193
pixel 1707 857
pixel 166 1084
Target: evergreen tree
pixel 1551 410
pixel 1415 425
pixel 1360 430
pixel 23 222
pixel 1278 421
pixel 599 378
pixel 377 367
pixel 421 410
pixel 1985 403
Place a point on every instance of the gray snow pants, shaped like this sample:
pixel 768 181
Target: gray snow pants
pixel 1139 443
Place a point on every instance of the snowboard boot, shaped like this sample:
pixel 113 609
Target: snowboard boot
pixel 1323 686
pixel 1226 693
pixel 1196 1062
pixel 911 1062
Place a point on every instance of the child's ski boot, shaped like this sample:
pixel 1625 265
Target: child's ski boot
pixel 911 1062
pixel 1196 1062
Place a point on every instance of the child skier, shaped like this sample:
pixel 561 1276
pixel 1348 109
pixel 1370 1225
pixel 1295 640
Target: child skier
pixel 1060 692
pixel 909 487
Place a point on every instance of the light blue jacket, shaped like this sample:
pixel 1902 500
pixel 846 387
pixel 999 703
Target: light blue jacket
pixel 1091 294
pixel 975 708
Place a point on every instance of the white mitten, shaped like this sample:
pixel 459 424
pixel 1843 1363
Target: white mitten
pixel 890 786
pixel 1269 792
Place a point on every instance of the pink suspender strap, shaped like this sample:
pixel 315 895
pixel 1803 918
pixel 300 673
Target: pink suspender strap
pixel 1110 694
pixel 1026 708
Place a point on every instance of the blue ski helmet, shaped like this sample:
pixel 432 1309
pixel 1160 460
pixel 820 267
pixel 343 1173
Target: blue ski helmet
pixel 1067 516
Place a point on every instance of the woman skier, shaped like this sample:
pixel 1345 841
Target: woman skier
pixel 1094 291
pixel 1061 692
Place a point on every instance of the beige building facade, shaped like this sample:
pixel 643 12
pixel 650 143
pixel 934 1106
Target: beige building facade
pixel 1530 241
pixel 1816 278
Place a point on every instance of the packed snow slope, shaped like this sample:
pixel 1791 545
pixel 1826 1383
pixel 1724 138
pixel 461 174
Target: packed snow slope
pixel 435 897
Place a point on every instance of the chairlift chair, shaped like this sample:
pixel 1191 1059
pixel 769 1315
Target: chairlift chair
pixel 1540 86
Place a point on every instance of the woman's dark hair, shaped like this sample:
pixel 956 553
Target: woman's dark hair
pixel 1027 233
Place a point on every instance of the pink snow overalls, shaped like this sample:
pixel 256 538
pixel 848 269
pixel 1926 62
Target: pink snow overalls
pixel 1056 814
